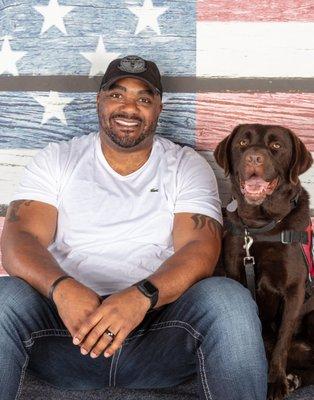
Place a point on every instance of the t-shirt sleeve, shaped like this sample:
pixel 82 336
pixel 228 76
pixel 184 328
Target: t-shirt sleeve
pixel 40 179
pixel 197 190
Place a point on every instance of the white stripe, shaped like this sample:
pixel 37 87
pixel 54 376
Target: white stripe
pixel 255 49
pixel 13 161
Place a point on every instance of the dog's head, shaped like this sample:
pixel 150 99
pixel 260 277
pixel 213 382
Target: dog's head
pixel 260 158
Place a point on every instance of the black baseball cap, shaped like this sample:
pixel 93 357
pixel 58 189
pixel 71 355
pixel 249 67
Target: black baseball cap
pixel 133 67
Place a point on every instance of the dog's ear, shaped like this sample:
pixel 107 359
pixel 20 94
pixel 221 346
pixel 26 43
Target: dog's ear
pixel 301 159
pixel 222 152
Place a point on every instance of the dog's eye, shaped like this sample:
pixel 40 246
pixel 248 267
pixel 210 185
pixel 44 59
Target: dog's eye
pixel 275 145
pixel 243 143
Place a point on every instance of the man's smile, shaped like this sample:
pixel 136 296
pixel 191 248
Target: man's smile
pixel 127 122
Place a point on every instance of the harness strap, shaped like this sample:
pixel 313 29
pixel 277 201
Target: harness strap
pixel 285 236
pixel 250 276
pixel 304 238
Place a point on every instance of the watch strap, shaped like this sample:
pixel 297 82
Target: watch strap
pixel 55 284
pixel 153 296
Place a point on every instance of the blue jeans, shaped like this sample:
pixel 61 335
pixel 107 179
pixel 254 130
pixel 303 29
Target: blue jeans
pixel 212 330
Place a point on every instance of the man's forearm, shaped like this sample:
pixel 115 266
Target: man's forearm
pixel 193 262
pixel 25 257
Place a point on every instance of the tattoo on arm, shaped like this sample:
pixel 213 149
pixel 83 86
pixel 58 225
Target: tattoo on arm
pixel 201 220
pixel 14 209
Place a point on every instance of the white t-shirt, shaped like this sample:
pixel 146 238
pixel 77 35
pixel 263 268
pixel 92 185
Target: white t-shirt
pixel 115 230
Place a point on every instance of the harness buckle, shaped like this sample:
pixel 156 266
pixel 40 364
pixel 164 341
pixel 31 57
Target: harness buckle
pixel 286 237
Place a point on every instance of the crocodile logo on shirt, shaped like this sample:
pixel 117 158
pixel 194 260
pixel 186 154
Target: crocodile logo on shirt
pixel 154 190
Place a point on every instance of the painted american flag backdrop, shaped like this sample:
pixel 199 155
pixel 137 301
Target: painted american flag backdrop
pixel 223 63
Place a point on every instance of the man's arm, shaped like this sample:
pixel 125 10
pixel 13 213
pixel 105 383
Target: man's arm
pixel 197 243
pixel 28 230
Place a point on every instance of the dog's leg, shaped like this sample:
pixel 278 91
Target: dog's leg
pixel 301 362
pixel 278 384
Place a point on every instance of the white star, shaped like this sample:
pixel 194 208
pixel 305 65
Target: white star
pixel 53 14
pixel 54 106
pixel 99 59
pixel 148 15
pixel 8 58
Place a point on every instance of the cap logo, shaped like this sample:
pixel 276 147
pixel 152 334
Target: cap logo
pixel 132 65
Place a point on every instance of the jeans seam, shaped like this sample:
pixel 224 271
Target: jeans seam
pixel 168 324
pixel 197 337
pixel 45 333
pixel 19 390
pixel 116 367
pixel 111 367
pixel 203 374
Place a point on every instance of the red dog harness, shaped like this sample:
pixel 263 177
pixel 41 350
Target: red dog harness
pixel 308 251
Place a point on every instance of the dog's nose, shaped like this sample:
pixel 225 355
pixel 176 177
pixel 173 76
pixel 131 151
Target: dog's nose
pixel 254 159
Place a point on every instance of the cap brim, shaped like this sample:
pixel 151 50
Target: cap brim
pixel 117 78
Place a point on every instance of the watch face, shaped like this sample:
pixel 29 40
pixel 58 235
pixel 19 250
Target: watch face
pixel 150 288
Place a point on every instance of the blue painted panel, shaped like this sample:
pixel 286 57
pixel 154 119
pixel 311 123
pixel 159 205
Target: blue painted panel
pixel 54 53
pixel 21 116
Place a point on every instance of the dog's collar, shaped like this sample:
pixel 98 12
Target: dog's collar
pixel 263 229
pixel 285 236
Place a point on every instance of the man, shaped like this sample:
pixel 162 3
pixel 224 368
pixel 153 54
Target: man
pixel 110 243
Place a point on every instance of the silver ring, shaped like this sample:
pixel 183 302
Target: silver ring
pixel 109 333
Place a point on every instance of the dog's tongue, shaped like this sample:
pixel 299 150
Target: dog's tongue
pixel 255 185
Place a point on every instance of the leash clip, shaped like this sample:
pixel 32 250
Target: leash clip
pixel 248 241
pixel 249 263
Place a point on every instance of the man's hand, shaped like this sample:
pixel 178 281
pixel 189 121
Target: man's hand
pixel 119 313
pixel 74 302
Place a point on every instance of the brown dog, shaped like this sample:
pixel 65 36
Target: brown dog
pixel 265 228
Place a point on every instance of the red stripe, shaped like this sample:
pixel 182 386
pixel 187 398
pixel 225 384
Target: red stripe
pixel 2 271
pixel 255 10
pixel 218 113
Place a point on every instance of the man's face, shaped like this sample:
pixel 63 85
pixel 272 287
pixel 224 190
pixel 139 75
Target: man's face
pixel 128 112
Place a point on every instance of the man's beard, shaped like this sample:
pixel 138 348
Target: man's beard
pixel 127 141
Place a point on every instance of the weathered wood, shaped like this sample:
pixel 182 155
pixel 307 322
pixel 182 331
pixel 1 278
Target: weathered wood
pixel 12 163
pixel 214 114
pixel 218 113
pixel 255 49
pixel 53 53
pixel 255 10
pixel 21 116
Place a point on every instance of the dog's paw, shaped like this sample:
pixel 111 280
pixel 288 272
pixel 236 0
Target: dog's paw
pixel 294 382
pixel 278 389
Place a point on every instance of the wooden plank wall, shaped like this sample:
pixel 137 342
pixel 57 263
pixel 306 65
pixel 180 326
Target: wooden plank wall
pixel 223 63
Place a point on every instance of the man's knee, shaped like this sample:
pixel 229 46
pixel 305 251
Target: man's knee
pixel 17 296
pixel 223 299
pixel 221 293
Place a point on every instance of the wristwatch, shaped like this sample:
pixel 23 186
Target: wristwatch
pixel 149 290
